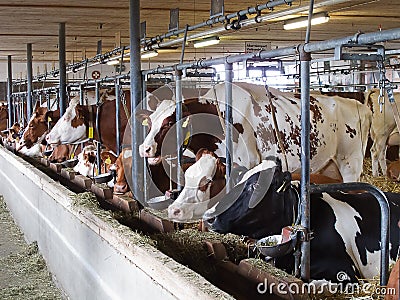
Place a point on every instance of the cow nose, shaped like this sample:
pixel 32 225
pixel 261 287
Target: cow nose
pixel 147 150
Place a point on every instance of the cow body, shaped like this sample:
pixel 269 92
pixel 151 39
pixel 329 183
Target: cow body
pixel 383 131
pixel 346 227
pixel 74 124
pixel 337 134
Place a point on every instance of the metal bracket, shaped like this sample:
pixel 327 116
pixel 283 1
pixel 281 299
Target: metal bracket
pixel 341 55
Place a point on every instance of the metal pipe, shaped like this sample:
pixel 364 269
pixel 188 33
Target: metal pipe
pixel 81 94
pixel 305 59
pixel 117 116
pixel 98 144
pixel 305 63
pixel 146 175
pixel 9 92
pixel 179 134
pixel 228 123
pixel 364 38
pixel 134 31
pixel 29 104
pixel 220 19
pixel 249 22
pixel 63 71
pixel 385 216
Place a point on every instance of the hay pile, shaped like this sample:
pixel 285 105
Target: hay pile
pixel 381 182
pixel 23 272
pixel 187 247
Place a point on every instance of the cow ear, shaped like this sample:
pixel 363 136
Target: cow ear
pixel 143 115
pixel 204 183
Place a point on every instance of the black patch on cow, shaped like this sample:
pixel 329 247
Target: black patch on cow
pixel 352 132
pixel 368 239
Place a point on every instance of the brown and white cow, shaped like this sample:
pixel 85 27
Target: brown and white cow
pixel 73 126
pixel 383 131
pixel 338 135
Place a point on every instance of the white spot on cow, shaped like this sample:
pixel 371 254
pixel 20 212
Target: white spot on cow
pixel 149 147
pixel 347 227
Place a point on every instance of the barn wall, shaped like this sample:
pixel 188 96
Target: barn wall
pixel 88 258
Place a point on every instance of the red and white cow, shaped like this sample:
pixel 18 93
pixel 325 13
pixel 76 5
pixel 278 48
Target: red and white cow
pixel 383 131
pixel 338 135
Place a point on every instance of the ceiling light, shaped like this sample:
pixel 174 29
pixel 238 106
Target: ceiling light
pixel 113 62
pixel 318 18
pixel 149 54
pixel 212 40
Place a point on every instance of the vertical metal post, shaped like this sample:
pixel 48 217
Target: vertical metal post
pixel 81 94
pixel 29 103
pixel 98 144
pixel 81 102
pixel 305 59
pixel 135 84
pixel 9 92
pixel 179 134
pixel 63 69
pixel 117 115
pixel 228 122
pixel 144 129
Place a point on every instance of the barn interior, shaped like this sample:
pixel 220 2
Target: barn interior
pixel 355 48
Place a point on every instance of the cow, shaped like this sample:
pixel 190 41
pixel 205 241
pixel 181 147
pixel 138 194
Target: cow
pixel 13 134
pixel 87 161
pixel 382 128
pixel 337 134
pixel 40 122
pixel 205 182
pixel 346 227
pixel 74 125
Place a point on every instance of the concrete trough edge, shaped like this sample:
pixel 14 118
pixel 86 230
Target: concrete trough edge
pixel 141 270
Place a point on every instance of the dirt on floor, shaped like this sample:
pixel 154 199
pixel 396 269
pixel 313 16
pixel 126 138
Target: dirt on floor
pixel 23 271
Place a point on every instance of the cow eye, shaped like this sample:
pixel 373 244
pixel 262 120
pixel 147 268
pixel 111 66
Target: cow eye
pixel 170 123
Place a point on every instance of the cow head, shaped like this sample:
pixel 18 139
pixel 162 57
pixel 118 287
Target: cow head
pixel 87 161
pixel 71 127
pixel 38 125
pixel 121 185
pixel 13 133
pixel 203 181
pixel 160 122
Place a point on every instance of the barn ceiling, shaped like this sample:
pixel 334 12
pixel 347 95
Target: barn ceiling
pixel 37 22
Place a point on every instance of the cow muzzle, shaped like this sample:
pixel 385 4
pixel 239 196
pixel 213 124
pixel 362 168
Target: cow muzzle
pixel 120 188
pixel 147 151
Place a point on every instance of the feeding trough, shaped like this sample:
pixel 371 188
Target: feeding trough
pixel 160 202
pixel 272 246
pixel 70 163
pixel 103 178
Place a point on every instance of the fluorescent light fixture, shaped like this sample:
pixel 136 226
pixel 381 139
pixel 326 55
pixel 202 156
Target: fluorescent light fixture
pixel 149 54
pixel 212 40
pixel 113 62
pixel 318 18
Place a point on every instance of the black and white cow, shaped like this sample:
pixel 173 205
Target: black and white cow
pixel 346 227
